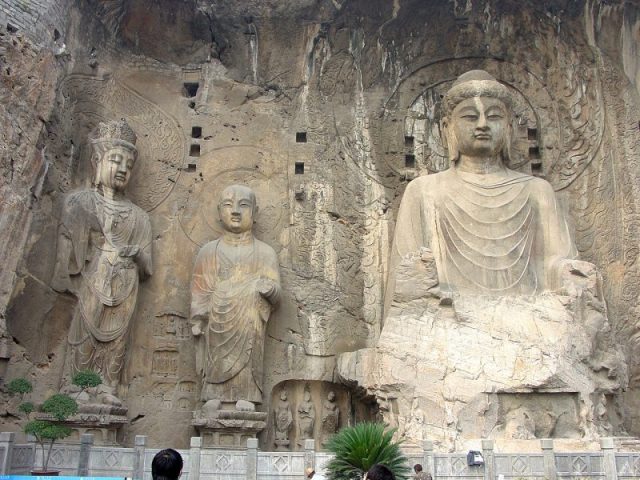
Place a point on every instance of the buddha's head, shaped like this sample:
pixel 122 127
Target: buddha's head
pixel 114 154
pixel 477 117
pixel 237 208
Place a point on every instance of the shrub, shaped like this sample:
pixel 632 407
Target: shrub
pixel 86 379
pixel 360 447
pixel 19 386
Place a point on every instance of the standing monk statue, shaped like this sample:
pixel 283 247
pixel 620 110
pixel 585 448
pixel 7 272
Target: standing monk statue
pixel 104 250
pixel 236 283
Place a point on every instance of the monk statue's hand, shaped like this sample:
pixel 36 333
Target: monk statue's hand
pixel 196 330
pixel 197 323
pixel 266 287
pixel 129 251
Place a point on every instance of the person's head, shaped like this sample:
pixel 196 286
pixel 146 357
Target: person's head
pixel 477 117
pixel 309 472
pixel 417 468
pixel 237 208
pixel 379 472
pixel 114 154
pixel 166 465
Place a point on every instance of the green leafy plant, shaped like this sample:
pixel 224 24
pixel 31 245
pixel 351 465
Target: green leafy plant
pixel 20 386
pixel 358 448
pixel 86 379
pixel 59 407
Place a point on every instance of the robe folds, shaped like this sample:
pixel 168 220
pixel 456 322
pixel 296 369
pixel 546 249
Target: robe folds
pixel 496 233
pixel 225 292
pixel 92 233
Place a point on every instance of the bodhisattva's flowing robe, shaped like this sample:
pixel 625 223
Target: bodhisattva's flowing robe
pixel 224 290
pixel 92 232
pixel 496 233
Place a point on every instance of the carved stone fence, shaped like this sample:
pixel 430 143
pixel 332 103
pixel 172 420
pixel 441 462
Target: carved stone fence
pixel 251 464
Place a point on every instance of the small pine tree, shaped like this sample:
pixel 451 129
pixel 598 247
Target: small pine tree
pixel 60 406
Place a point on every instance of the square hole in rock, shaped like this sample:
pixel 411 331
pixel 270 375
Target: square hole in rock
pixel 301 137
pixel 299 169
pixel 190 89
pixel 194 151
pixel 410 161
pixel 196 132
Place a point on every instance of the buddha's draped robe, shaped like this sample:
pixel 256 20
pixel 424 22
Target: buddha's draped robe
pixel 497 233
pixel 224 289
pixel 92 231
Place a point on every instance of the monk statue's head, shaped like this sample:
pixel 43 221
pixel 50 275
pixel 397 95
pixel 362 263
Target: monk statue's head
pixel 237 208
pixel 114 154
pixel 477 117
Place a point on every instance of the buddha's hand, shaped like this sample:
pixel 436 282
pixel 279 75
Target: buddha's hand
pixel 415 275
pixel 129 251
pixel 576 275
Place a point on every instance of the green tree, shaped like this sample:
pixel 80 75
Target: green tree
pixel 58 406
pixel 358 448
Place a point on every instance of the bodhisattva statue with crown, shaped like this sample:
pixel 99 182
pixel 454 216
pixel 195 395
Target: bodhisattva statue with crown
pixel 104 250
pixel 484 274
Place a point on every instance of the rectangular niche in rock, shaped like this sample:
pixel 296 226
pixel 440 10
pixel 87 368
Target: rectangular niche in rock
pixel 190 89
pixel 196 132
pixel 194 151
pixel 410 161
pixel 301 137
pixel 299 168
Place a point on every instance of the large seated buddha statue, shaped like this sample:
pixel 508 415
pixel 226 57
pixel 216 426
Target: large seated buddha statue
pixel 509 336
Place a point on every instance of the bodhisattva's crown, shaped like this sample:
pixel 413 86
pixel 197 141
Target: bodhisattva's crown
pixel 115 131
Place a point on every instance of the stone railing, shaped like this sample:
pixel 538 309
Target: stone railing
pixel 250 463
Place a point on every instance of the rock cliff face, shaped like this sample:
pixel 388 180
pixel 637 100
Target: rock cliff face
pixel 326 109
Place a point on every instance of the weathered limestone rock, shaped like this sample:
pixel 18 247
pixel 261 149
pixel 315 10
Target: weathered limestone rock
pixel 326 109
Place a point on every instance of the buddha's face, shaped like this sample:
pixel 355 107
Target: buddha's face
pixel 480 126
pixel 236 209
pixel 114 169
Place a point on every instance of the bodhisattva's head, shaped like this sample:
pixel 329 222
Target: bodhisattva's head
pixel 237 208
pixel 114 154
pixel 283 395
pixel 477 117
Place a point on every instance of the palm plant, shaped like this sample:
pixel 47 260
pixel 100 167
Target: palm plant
pixel 358 448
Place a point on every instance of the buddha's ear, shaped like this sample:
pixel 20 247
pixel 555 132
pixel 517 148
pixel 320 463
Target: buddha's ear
pixel 449 140
pixel 255 212
pixel 507 148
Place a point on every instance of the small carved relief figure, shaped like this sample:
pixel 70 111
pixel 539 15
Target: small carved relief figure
pixel 306 417
pixel 480 227
pixel 104 250
pixel 235 286
pixel 283 419
pixel 330 417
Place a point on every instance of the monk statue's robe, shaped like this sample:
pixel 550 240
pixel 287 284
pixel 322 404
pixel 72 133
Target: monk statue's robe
pixel 226 298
